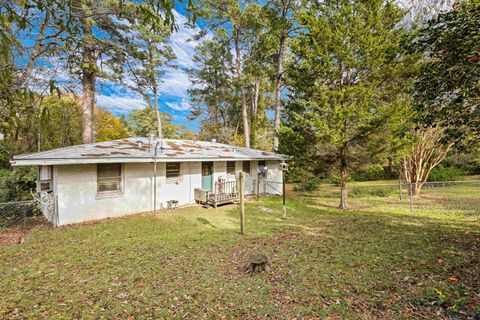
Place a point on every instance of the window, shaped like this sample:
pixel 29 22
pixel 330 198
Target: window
pixel 231 167
pixel 246 166
pixel 173 170
pixel 109 177
pixel 261 164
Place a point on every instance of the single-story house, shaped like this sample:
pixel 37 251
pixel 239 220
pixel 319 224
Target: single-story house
pixel 127 176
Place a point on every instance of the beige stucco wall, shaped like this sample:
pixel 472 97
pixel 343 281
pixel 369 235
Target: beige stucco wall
pixel 78 201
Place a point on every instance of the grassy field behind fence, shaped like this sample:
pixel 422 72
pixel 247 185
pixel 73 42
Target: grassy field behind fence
pixel 187 263
pixel 460 197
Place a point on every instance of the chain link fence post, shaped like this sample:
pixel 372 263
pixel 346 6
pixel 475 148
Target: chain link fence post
pixel 410 195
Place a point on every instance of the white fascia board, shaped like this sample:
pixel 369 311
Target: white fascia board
pixel 44 162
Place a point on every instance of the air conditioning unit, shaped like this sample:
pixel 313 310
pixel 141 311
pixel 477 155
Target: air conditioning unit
pixel 45 185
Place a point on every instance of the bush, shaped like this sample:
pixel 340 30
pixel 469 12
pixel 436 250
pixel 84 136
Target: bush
pixel 373 173
pixel 15 185
pixel 441 173
pixel 312 184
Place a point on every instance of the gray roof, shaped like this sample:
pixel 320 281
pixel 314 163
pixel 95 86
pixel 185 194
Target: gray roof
pixel 142 149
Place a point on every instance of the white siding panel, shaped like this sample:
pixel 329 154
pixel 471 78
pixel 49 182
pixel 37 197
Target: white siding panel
pixel 76 188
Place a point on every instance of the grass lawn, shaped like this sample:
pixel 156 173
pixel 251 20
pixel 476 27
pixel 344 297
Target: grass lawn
pixel 186 263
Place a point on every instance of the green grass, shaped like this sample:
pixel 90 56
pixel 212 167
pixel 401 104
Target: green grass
pixel 186 263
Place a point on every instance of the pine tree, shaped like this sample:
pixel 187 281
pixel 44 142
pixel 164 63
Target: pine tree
pixel 149 65
pixel 105 43
pixel 347 83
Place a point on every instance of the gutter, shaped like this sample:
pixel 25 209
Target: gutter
pixel 71 161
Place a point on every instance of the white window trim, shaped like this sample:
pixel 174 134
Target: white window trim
pixel 112 193
pixel 174 179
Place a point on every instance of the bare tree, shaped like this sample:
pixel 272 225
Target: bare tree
pixel 427 152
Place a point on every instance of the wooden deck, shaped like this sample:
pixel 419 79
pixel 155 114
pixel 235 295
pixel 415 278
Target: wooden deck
pixel 224 192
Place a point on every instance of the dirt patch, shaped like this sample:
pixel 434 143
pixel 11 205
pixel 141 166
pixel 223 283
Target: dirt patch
pixel 13 236
pixel 19 235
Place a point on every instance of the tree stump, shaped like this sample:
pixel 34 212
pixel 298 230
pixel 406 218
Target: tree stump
pixel 258 263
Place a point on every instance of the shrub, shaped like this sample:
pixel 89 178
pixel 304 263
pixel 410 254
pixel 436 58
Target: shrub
pixel 311 184
pixel 372 173
pixel 441 173
pixel 16 184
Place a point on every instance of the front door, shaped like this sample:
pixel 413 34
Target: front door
pixel 207 176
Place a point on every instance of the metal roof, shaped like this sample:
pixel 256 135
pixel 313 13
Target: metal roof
pixel 142 149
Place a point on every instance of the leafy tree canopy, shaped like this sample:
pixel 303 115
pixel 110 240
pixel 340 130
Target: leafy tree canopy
pixel 447 92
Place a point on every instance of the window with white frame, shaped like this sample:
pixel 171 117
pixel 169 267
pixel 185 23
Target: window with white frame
pixel 174 171
pixel 109 177
pixel 231 167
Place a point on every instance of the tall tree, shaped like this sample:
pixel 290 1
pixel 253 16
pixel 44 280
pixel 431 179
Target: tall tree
pixel 347 82
pixel 446 91
pixel 234 19
pixel 150 64
pixel 281 15
pixel 106 43
pixel 213 95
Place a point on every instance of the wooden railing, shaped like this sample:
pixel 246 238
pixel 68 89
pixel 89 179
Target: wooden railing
pixel 225 191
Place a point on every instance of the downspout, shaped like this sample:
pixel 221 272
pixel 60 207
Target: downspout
pixel 155 179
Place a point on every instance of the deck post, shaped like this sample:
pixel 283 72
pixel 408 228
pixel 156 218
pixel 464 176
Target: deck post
pixel 284 194
pixel 242 201
pixel 215 194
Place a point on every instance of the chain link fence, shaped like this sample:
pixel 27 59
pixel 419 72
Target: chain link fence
pixel 446 197
pixel 461 196
pixel 16 218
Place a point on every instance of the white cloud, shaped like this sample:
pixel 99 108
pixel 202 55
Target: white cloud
pixel 183 43
pixel 120 104
pixel 182 105
pixel 175 83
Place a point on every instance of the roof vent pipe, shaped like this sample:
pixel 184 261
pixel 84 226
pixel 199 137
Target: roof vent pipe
pixel 140 144
pixel 151 140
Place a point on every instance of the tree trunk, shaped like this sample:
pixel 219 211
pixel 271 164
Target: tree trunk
pixel 88 83
pixel 159 117
pixel 343 187
pixel 246 128
pixel 253 124
pixel 278 92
